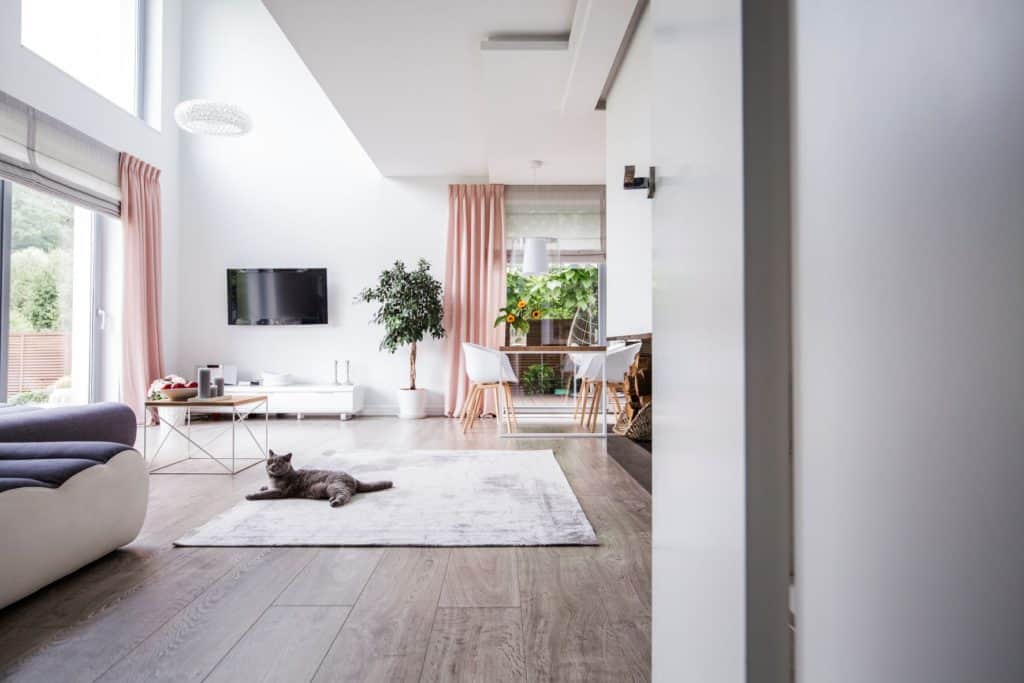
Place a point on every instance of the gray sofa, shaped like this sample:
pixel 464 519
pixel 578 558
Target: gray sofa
pixel 72 489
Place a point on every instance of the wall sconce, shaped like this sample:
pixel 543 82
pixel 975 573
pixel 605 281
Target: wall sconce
pixel 631 182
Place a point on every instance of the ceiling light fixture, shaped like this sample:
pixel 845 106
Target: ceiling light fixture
pixel 207 117
pixel 535 249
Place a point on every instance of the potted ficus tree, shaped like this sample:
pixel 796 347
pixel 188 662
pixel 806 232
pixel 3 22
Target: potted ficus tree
pixel 410 308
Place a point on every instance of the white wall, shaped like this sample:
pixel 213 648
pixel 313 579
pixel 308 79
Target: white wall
pixel 629 213
pixel 33 80
pixel 699 497
pixel 909 331
pixel 297 191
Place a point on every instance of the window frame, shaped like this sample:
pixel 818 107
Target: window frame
pixel 5 278
pixel 596 259
pixel 96 391
pixel 139 81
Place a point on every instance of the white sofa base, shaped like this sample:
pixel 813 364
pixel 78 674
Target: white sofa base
pixel 49 533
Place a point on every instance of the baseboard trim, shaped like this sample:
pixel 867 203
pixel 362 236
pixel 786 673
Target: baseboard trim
pixel 391 410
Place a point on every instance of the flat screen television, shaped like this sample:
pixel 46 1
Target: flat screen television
pixel 277 296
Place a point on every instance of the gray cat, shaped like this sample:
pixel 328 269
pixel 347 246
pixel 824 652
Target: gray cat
pixel 288 482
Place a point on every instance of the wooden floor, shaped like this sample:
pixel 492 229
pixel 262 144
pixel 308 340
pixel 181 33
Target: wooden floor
pixel 155 612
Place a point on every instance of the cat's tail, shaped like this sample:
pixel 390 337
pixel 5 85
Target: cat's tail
pixel 367 486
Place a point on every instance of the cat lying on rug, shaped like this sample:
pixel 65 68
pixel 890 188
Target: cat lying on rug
pixel 288 482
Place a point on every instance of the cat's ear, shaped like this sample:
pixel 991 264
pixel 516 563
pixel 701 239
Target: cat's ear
pixel 272 454
pixel 287 457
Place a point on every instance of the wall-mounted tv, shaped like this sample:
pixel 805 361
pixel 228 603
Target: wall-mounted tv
pixel 277 296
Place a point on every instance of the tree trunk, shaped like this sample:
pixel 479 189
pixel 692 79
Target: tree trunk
pixel 412 366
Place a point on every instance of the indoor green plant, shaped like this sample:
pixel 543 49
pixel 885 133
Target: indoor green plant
pixel 560 294
pixel 410 307
pixel 538 379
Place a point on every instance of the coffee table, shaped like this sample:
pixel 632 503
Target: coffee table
pixel 240 406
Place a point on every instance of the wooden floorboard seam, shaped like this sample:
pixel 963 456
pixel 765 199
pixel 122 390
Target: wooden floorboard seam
pixel 257 619
pixel 433 621
pixel 348 616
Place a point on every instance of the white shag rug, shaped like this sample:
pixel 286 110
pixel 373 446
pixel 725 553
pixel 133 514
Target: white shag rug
pixel 440 498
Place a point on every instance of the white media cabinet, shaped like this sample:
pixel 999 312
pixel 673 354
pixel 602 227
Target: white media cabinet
pixel 306 399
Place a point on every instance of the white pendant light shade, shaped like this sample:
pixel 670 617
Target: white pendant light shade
pixel 535 256
pixel 206 117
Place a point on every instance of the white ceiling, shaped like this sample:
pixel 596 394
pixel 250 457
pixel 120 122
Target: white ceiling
pixel 415 87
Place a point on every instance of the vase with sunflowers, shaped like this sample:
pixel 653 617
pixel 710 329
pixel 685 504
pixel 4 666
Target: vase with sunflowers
pixel 517 315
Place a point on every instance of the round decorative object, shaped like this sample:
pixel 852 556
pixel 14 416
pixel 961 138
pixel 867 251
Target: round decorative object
pixel 206 117
pixel 179 394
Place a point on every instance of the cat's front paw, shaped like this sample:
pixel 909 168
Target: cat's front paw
pixel 337 502
pixel 252 496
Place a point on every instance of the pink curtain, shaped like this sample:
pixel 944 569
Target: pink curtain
pixel 474 278
pixel 142 359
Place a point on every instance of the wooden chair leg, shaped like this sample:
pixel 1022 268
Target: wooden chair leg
pixel 613 394
pixel 474 408
pixel 497 403
pixel 503 403
pixel 594 392
pixel 585 387
pixel 478 406
pixel 510 409
pixel 472 402
pixel 595 405
pixel 465 404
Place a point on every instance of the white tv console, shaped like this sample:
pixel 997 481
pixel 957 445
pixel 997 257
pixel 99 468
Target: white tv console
pixel 306 399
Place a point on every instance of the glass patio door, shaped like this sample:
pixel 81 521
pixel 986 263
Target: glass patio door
pixel 49 317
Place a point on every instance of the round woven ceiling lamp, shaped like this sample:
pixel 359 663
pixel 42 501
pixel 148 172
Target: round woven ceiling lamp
pixel 206 117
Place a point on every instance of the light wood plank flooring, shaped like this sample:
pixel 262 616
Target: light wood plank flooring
pixel 154 612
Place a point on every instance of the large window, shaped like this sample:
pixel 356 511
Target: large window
pixel 50 299
pixel 95 41
pixel 563 303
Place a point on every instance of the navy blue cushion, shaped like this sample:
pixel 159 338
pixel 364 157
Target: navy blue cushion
pixel 96 451
pixel 50 464
pixel 96 422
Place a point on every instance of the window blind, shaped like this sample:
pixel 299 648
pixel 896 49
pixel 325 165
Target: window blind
pixel 572 214
pixel 39 151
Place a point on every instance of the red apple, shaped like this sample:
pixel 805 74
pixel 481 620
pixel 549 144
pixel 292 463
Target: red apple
pixel 179 385
pixel 167 386
pixel 192 385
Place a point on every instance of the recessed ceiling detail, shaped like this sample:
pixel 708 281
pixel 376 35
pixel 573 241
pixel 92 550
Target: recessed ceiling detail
pixel 469 88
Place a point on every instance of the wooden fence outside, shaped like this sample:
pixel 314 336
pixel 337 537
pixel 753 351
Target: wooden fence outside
pixel 35 360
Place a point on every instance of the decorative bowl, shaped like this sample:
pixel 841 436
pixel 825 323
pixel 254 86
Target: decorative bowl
pixel 179 394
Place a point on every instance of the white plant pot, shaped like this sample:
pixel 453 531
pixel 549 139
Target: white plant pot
pixel 412 404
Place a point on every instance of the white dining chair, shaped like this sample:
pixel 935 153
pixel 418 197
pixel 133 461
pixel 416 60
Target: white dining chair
pixel 488 370
pixel 617 362
pixel 587 368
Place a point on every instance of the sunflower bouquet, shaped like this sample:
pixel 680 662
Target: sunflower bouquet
pixel 517 315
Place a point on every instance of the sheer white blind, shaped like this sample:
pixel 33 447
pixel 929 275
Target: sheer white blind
pixel 39 151
pixel 572 214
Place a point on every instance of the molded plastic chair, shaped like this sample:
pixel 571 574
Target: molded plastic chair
pixel 487 370
pixel 617 363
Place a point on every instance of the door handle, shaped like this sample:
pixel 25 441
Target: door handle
pixel 102 315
